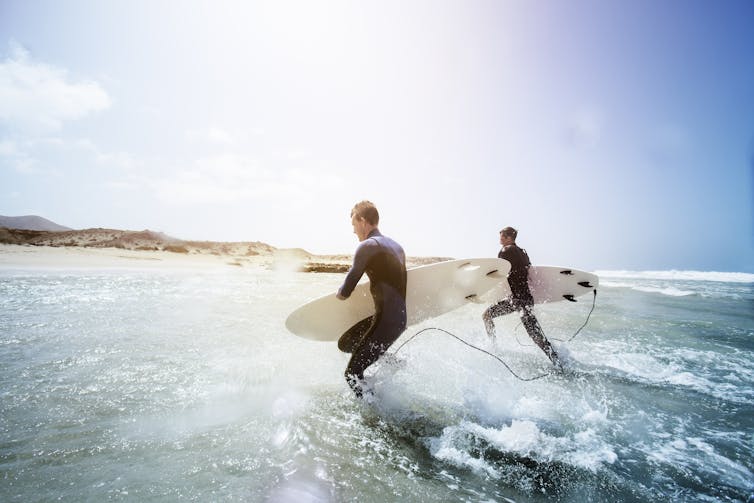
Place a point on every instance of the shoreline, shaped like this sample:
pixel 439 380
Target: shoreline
pixel 76 257
pixel 26 256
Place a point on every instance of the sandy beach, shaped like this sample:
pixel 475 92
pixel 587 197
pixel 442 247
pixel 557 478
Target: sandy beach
pixel 75 257
pixel 13 256
pixel 27 256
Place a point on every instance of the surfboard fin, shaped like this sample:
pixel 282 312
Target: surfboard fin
pixel 585 284
pixel 567 272
pixel 495 273
pixel 569 297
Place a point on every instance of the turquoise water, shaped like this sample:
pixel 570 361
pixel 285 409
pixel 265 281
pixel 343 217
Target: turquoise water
pixel 133 385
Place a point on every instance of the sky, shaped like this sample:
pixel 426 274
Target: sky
pixel 612 134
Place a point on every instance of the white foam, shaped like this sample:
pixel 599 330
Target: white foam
pixel 444 448
pixel 583 449
pixel 595 417
pixel 701 457
pixel 670 291
pixel 663 366
pixel 521 437
pixel 680 286
pixel 722 277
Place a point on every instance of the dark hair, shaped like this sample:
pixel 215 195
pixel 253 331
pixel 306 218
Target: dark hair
pixel 366 210
pixel 509 232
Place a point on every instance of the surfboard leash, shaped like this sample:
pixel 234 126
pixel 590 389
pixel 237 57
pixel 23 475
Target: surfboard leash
pixel 526 379
pixel 594 303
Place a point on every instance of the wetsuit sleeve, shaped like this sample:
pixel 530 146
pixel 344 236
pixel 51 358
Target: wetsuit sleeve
pixel 506 254
pixel 360 259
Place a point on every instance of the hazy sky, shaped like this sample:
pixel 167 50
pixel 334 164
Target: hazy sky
pixel 613 135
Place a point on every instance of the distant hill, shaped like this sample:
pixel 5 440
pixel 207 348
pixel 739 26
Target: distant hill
pixel 129 240
pixel 31 223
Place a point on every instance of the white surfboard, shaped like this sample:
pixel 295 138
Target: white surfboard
pixel 435 289
pixel 550 284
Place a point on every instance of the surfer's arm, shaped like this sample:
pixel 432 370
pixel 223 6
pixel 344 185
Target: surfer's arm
pixel 353 277
pixel 360 259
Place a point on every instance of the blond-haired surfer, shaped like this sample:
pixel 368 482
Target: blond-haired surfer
pixel 384 262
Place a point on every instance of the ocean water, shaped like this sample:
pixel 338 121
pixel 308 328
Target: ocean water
pixel 129 385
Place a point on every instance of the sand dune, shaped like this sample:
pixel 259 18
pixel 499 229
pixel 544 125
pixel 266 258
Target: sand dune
pixel 119 248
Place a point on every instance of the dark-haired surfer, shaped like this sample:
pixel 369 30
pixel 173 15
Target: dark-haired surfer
pixel 520 298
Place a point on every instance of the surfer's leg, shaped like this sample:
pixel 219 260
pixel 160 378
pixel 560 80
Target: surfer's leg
pixel 501 308
pixel 362 355
pixel 379 338
pixel 354 335
pixel 537 335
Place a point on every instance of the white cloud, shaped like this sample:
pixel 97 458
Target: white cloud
pixel 8 148
pixel 120 160
pixel 26 166
pixel 14 156
pixel 54 156
pixel 40 97
pixel 213 135
pixel 223 137
pixel 232 178
pixel 217 135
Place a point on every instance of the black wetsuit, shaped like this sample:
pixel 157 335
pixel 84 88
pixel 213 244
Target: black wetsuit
pixel 385 263
pixel 520 299
pixel 518 277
